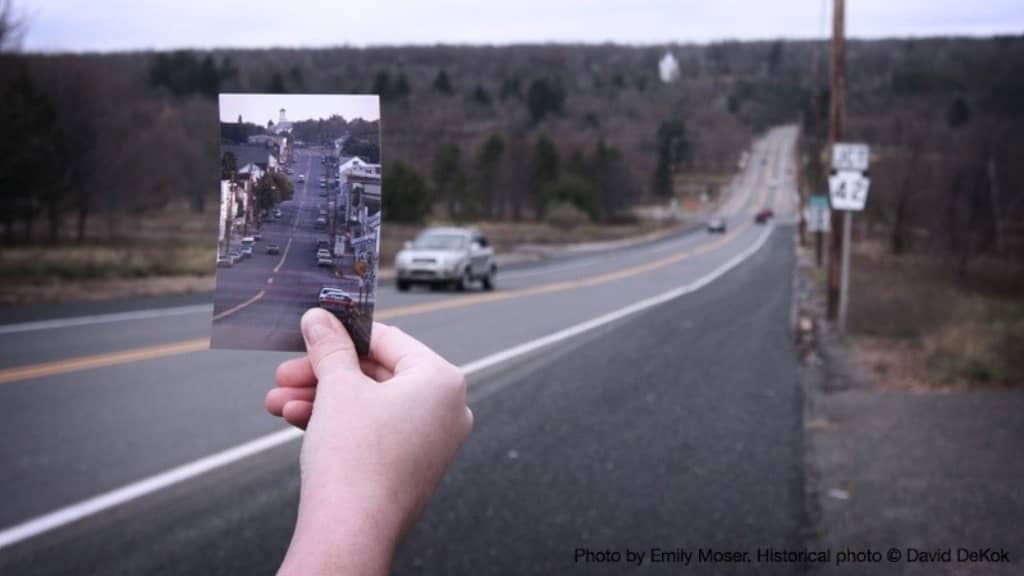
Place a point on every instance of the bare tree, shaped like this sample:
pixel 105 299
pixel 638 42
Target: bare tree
pixel 12 26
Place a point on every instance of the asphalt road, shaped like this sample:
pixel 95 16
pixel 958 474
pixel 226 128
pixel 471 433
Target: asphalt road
pixel 674 427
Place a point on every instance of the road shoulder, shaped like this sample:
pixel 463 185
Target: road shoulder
pixel 904 470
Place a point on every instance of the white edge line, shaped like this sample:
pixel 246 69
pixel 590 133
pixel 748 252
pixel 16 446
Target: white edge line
pixel 107 500
pixel 105 318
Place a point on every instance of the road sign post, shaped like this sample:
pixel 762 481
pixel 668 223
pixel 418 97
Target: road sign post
pixel 817 217
pixel 848 191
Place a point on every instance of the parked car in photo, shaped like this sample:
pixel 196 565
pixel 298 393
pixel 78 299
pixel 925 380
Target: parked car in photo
pixel 225 262
pixel 235 256
pixel 302 178
pixel 278 213
pixel 716 225
pixel 335 300
pixel 323 253
pixel 321 222
pixel 447 257
pixel 324 261
pixel 273 248
pixel 247 251
pixel 322 245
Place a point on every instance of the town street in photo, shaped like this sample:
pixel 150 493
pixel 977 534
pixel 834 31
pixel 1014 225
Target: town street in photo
pixel 299 219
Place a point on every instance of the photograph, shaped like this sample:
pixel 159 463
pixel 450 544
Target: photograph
pixel 300 199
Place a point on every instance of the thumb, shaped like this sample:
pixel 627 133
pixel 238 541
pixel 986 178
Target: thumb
pixel 328 345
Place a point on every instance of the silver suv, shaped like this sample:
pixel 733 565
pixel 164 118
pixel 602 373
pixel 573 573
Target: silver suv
pixel 446 257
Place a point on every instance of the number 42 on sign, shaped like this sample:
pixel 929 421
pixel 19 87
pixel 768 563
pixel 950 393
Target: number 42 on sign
pixel 849 190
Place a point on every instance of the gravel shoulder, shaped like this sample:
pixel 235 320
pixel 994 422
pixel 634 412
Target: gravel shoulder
pixel 904 469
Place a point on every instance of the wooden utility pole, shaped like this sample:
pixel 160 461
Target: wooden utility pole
pixel 836 121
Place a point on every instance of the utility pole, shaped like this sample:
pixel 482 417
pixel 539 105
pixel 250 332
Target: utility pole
pixel 836 120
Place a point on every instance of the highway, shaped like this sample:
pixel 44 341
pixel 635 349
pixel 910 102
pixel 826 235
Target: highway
pixel 642 397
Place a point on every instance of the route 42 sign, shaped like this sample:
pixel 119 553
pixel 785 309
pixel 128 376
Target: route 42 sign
pixel 848 190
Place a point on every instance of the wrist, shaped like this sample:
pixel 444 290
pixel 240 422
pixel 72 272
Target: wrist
pixel 342 536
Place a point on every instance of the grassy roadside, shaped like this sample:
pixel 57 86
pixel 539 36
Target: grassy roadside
pixel 98 270
pixel 917 326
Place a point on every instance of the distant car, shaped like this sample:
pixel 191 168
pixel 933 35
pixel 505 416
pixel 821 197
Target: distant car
pixel 225 261
pixel 257 237
pixel 321 222
pixel 246 251
pixel 278 213
pixel 235 256
pixel 302 178
pixel 716 225
pixel 323 253
pixel 447 256
pixel 336 300
pixel 273 248
pixel 324 261
pixel 764 215
pixel 323 212
pixel 322 245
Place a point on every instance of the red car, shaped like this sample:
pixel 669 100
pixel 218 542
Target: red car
pixel 764 215
pixel 335 300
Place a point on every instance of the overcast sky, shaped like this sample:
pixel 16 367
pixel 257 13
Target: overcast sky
pixel 258 108
pixel 76 25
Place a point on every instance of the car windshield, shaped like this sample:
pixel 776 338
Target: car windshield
pixel 440 242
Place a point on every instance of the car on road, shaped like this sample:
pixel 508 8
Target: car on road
pixel 322 245
pixel 321 222
pixel 324 261
pixel 716 225
pixel 323 253
pixel 763 215
pixel 335 300
pixel 235 256
pixel 246 251
pixel 273 248
pixel 302 178
pixel 447 257
pixel 278 213
pixel 225 261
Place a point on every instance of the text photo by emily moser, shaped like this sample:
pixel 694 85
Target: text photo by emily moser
pixel 300 200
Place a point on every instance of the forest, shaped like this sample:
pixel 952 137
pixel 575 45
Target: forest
pixel 519 132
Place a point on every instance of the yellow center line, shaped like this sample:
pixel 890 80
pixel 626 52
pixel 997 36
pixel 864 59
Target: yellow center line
pixel 550 288
pixel 283 255
pixel 234 309
pixel 188 346
pixel 101 360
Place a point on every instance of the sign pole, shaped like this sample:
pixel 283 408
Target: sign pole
pixel 819 236
pixel 844 276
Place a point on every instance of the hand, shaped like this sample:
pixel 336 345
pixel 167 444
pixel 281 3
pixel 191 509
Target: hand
pixel 380 433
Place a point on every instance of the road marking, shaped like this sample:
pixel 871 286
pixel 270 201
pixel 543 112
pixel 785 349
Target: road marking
pixel 107 500
pixel 101 360
pixel 234 309
pixel 105 318
pixel 391 313
pixel 119 496
pixel 448 304
pixel 283 255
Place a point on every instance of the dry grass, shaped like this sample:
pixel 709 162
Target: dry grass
pixel 42 264
pixel 919 327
